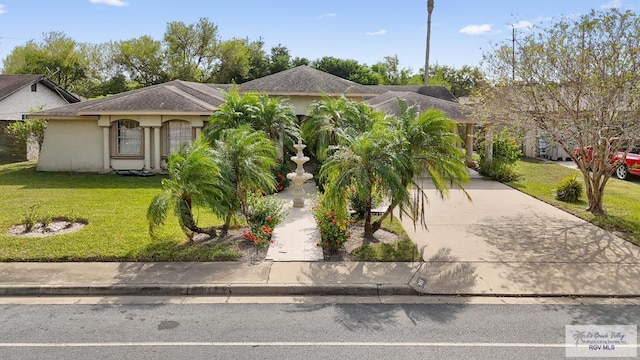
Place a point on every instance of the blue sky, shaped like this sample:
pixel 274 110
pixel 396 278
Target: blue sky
pixel 362 30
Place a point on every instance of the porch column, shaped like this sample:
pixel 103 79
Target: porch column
pixel 468 141
pixel 147 147
pixel 488 149
pixel 156 148
pixel 198 130
pixel 106 152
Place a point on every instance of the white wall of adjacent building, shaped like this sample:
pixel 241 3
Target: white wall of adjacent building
pixel 23 100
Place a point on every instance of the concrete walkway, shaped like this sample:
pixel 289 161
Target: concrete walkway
pixel 296 238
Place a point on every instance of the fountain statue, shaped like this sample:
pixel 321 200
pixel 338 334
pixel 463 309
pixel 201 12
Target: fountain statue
pixel 300 176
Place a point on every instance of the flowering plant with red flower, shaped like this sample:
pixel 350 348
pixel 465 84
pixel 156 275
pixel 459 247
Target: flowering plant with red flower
pixel 265 213
pixel 281 178
pixel 333 225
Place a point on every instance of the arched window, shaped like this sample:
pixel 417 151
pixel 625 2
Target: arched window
pixel 127 138
pixel 176 134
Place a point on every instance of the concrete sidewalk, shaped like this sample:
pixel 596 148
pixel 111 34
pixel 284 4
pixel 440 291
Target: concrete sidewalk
pixel 212 278
pixel 313 278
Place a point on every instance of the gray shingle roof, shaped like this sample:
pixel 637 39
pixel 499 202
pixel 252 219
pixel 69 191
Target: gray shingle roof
pixel 10 83
pixel 435 91
pixel 171 97
pixel 388 103
pixel 182 97
pixel 304 80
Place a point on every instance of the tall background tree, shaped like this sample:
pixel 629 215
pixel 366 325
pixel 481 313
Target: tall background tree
pixel 391 73
pixel 142 60
pixel 463 81
pixel 428 49
pixel 57 56
pixel 191 50
pixel 578 82
pixel 234 61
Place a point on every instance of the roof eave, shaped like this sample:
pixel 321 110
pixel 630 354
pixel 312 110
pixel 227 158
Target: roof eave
pixel 144 112
pixel 63 117
pixel 301 93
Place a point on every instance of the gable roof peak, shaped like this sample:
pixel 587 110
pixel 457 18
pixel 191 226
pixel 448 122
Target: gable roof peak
pixel 304 80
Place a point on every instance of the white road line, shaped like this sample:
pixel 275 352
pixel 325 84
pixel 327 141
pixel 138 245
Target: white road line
pixel 285 344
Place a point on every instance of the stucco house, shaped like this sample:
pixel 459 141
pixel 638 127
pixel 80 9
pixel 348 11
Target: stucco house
pixel 18 95
pixel 135 130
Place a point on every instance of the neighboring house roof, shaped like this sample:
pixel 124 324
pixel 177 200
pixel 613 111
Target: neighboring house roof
pixel 304 80
pixel 435 91
pixel 174 97
pixel 10 84
pixel 388 103
pixel 223 87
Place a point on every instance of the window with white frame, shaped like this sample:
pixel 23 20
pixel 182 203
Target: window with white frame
pixel 128 138
pixel 178 133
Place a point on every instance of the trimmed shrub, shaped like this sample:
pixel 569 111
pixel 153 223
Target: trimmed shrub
pixel 498 171
pixel 506 151
pixel 570 189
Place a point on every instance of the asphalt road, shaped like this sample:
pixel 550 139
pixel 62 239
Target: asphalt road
pixel 296 331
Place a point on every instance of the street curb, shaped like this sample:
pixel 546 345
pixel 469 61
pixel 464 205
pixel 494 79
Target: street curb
pixel 208 290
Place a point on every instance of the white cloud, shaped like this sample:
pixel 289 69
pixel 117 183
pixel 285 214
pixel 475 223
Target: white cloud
pixel 540 19
pixel 476 29
pixel 329 15
pixel 379 32
pixel 522 24
pixel 613 4
pixel 3 9
pixel 109 2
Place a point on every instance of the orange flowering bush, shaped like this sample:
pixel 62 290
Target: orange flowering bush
pixel 265 213
pixel 334 227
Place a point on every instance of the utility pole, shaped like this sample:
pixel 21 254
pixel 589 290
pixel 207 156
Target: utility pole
pixel 513 53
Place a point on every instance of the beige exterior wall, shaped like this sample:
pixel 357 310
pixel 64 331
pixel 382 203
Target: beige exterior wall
pixel 85 145
pixel 71 145
pixel 301 103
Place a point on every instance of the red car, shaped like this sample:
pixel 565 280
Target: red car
pixel 631 163
pixel 622 170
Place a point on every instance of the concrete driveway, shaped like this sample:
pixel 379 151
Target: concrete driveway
pixel 506 242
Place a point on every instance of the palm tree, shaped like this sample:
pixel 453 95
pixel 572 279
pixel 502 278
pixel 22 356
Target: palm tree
pixel 426 60
pixel 277 119
pixel 271 115
pixel 236 110
pixel 393 157
pixel 366 160
pixel 246 158
pixel 434 150
pixel 194 178
pixel 327 116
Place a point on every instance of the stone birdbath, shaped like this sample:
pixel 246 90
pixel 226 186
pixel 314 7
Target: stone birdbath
pixel 299 176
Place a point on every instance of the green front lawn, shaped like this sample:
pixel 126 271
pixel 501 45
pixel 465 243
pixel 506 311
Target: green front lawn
pixel 621 199
pixel 115 207
pixel 403 250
